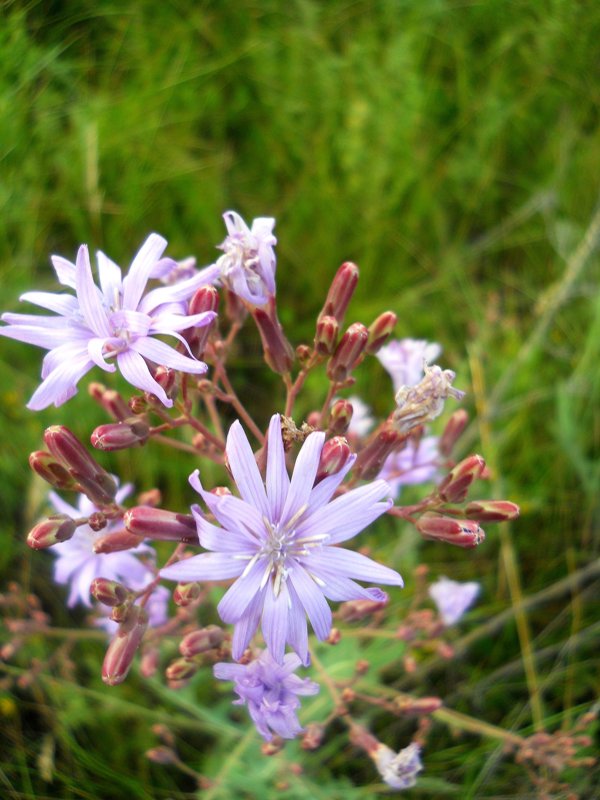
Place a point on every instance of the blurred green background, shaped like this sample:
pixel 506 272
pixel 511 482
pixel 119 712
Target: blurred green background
pixel 452 150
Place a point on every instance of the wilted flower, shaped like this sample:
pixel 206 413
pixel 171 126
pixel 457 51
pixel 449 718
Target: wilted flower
pixel 114 321
pixel 270 690
pixel 423 402
pixel 398 770
pixel 77 564
pixel 453 598
pixel 280 544
pixel 404 359
pixel 247 267
pixel 416 463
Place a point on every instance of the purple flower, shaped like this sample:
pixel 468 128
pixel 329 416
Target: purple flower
pixel 399 770
pixel 281 544
pixel 415 464
pixel 115 321
pixel 247 267
pixel 77 565
pixel 403 359
pixel 453 598
pixel 270 691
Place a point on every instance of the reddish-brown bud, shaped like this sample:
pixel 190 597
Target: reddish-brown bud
pixel 326 335
pixel 51 470
pixel 151 497
pixel 380 331
pixel 110 400
pixel 185 594
pixel 95 481
pixel 492 510
pixel 116 542
pixel 341 291
pixel 201 641
pixel 57 528
pixel 278 352
pixel 97 521
pixel 313 736
pixel 162 755
pixel 455 486
pixel 347 353
pixel 109 593
pixel 303 353
pixel 138 404
pixel 418 705
pixel 158 523
pixel 462 533
pixel 334 455
pixel 206 298
pixel 370 459
pixel 181 670
pixel 340 417
pixel 149 661
pixel 120 435
pixel 167 378
pixel 453 431
pixel 122 649
pixel 355 610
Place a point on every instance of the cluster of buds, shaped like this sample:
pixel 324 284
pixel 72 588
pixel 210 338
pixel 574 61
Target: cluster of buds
pixel 194 647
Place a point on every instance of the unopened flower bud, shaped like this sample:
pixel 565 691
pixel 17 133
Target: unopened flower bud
pixel 424 401
pixel 149 662
pixel 162 755
pixel 273 747
pixel 326 335
pixel 185 594
pixel 116 542
pixel 109 593
pixel 151 497
pixel 492 510
pixel 462 533
pixel 347 353
pixel 418 705
pixel 167 378
pixel 206 298
pixel 121 650
pixel 201 641
pixel 138 404
pixel 334 455
pixel 110 400
pixel 380 331
pixel 97 521
pixel 453 431
pixel 158 523
pixel 278 352
pixel 57 528
pixel 303 353
pixel 455 486
pixel 95 481
pixel 340 417
pixel 334 637
pixel 355 610
pixel 181 670
pixel 51 470
pixel 313 736
pixel 120 435
pixel 370 459
pixel 340 292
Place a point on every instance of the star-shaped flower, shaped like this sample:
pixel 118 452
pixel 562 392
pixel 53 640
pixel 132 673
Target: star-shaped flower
pixel 247 267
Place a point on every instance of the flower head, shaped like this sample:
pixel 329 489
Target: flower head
pixel 115 321
pixel 247 267
pixel 414 464
pixel 399 770
pixel 270 690
pixel 423 402
pixel 281 544
pixel 404 358
pixel 453 598
pixel 77 565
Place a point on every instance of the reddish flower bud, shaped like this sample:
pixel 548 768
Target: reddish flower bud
pixel 453 431
pixel 313 736
pixel 326 335
pixel 55 529
pixel 340 292
pixel 380 331
pixel 181 670
pixel 51 470
pixel 158 523
pixel 418 705
pixel 120 435
pixel 334 455
pixel 116 542
pixel 355 610
pixel 201 641
pixel 167 378
pixel 138 404
pixel 303 353
pixel 110 400
pixel 121 650
pixel 95 481
pixel 462 533
pixel 97 521
pixel 340 417
pixel 278 352
pixel 455 486
pixel 185 594
pixel 109 593
pixel 151 497
pixel 149 661
pixel 370 459
pixel 347 353
pixel 492 510
pixel 205 299
pixel 162 755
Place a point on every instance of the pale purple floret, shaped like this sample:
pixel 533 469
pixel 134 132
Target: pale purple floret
pixel 399 770
pixel 116 321
pixel 453 598
pixel 247 267
pixel 403 359
pixel 415 464
pixel 270 690
pixel 76 563
pixel 281 544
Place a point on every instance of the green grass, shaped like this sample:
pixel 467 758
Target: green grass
pixel 451 149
